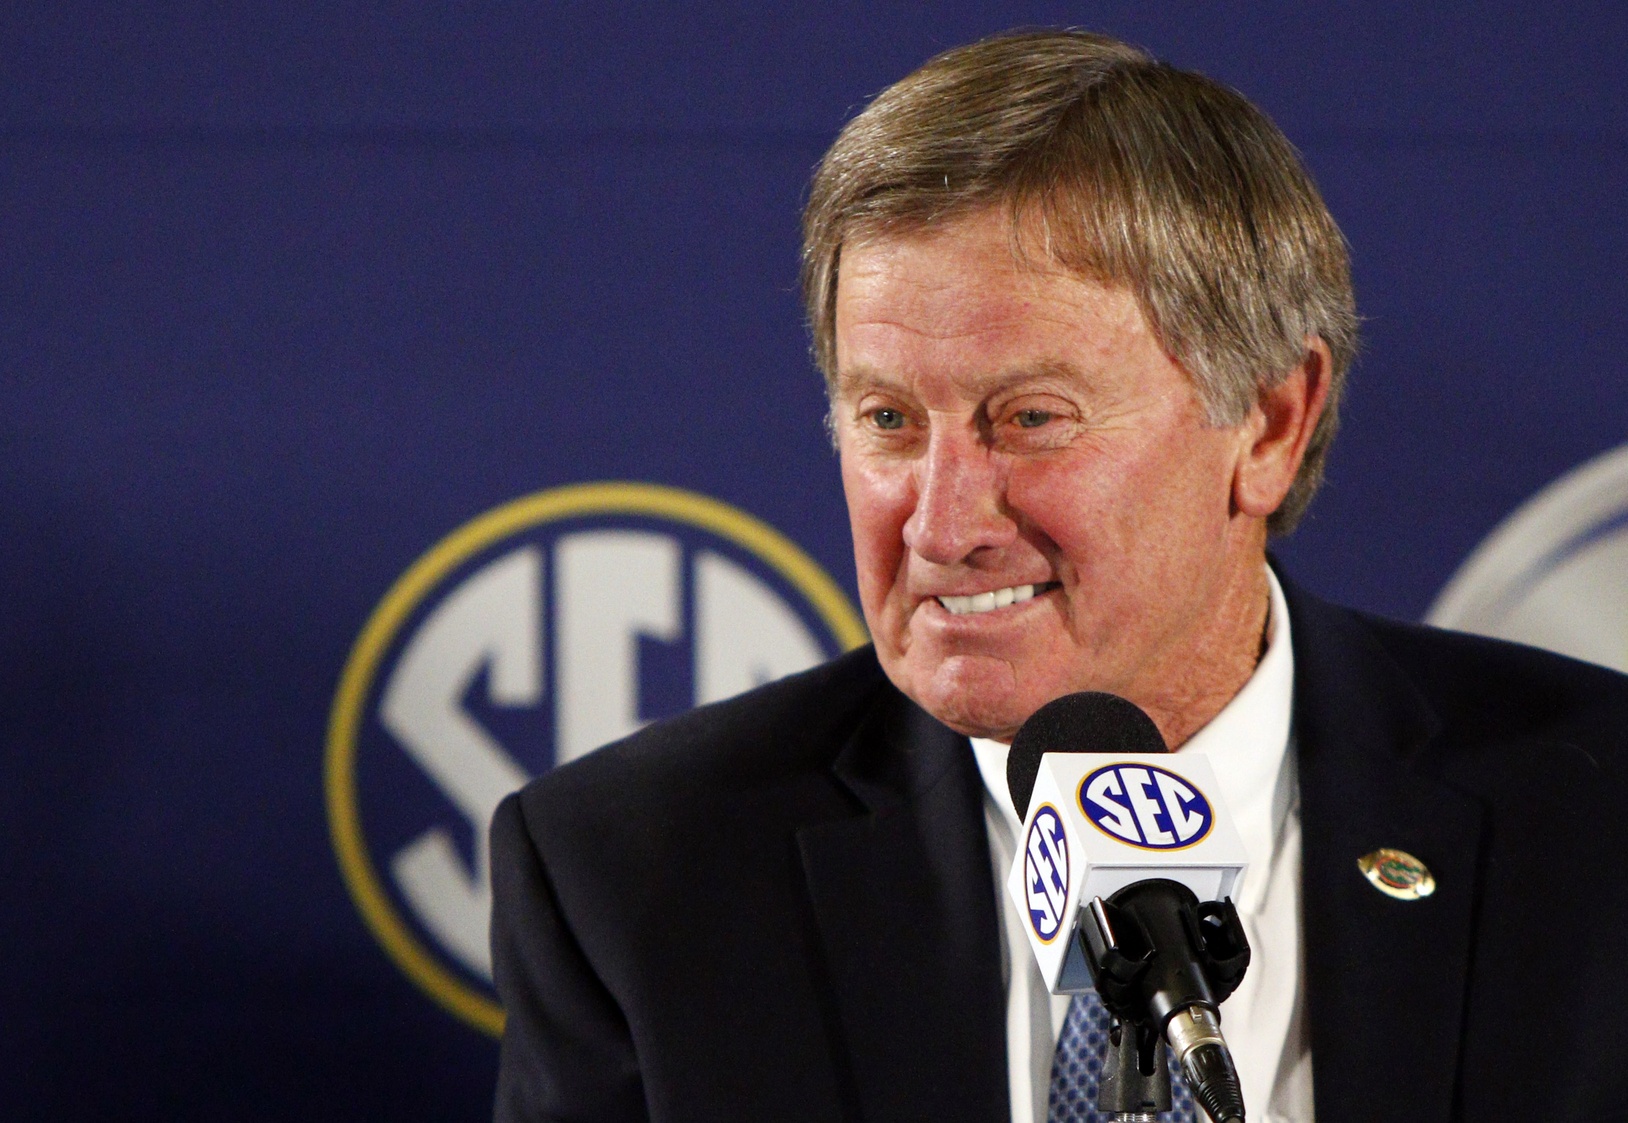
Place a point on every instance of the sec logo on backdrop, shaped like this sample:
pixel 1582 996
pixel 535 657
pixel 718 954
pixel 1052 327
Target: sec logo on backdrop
pixel 526 638
pixel 1552 574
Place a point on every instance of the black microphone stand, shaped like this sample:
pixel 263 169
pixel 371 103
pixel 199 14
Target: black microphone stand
pixel 1135 1083
pixel 1163 963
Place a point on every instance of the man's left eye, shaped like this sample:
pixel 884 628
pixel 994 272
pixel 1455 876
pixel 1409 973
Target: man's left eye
pixel 1032 418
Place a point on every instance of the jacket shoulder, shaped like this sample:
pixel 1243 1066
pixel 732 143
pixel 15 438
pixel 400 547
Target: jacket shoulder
pixel 1484 687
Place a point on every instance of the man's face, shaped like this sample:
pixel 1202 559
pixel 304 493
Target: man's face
pixel 1038 504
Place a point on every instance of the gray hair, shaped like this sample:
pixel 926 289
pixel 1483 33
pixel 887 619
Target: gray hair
pixel 1123 170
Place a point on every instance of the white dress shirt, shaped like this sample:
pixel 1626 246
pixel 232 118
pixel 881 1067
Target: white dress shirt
pixel 1247 743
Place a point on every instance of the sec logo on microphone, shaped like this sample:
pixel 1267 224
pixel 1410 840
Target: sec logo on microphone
pixel 529 636
pixel 1045 872
pixel 1145 806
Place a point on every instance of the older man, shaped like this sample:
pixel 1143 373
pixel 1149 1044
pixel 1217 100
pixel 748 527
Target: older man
pixel 1084 322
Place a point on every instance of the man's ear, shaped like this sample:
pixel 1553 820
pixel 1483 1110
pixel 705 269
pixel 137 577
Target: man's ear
pixel 1278 428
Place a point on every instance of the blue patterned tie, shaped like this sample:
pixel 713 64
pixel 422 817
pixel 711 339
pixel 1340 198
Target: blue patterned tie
pixel 1081 1052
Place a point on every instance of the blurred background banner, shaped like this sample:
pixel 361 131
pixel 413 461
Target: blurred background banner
pixel 397 401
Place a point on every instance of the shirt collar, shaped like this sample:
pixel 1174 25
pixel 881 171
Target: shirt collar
pixel 1247 744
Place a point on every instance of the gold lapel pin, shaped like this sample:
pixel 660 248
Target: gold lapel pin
pixel 1396 873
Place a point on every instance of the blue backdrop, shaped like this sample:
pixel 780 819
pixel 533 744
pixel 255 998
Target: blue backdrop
pixel 289 294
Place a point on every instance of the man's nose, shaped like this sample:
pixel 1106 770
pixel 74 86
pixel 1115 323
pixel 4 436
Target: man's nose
pixel 959 506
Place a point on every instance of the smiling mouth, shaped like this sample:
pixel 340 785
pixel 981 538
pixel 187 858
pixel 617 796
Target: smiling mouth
pixel 989 602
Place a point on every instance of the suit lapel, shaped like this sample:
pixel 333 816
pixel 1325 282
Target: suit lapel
pixel 1385 978
pixel 905 910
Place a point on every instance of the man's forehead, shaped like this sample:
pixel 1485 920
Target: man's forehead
pixel 982 241
pixel 983 332
pixel 968 277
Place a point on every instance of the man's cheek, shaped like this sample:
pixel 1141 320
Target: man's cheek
pixel 878 570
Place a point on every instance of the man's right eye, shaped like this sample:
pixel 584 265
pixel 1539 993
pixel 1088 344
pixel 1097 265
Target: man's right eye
pixel 888 419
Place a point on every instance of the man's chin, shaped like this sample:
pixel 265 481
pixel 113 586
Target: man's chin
pixel 976 695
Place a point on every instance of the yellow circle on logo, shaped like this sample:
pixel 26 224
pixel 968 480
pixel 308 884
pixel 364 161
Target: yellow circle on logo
pixel 361 668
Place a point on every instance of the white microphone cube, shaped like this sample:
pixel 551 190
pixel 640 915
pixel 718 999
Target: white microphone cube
pixel 1099 822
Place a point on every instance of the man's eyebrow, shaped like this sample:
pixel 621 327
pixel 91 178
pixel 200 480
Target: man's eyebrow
pixel 851 379
pixel 863 376
pixel 1047 370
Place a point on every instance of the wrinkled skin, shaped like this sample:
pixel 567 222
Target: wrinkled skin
pixel 1005 424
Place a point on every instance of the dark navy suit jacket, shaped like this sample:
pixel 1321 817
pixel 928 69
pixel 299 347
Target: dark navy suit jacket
pixel 780 907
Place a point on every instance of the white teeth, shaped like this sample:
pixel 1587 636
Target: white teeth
pixel 987 602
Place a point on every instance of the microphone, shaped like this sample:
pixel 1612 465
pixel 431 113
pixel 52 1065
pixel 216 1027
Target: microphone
pixel 1087 722
pixel 1125 876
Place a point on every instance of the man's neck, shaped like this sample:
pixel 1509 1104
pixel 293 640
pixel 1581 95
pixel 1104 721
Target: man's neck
pixel 1197 681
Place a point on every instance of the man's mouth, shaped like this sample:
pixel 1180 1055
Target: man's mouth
pixel 989 602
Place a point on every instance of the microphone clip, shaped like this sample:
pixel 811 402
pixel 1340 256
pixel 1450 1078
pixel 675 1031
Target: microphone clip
pixel 1154 948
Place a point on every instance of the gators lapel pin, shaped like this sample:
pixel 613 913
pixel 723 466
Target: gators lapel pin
pixel 1396 873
